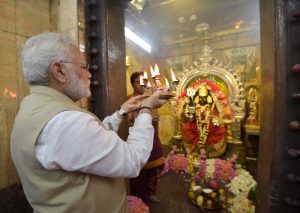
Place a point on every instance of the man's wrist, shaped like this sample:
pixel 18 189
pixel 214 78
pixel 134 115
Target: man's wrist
pixel 145 109
pixel 121 113
pixel 145 106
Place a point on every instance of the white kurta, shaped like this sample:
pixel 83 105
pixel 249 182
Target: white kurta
pixel 74 141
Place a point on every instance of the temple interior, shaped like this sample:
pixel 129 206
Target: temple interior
pixel 228 69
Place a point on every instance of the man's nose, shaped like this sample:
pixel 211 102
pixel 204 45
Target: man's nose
pixel 89 75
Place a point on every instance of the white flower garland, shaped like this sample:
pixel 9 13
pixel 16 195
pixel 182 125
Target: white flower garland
pixel 210 168
pixel 241 204
pixel 240 186
pixel 243 182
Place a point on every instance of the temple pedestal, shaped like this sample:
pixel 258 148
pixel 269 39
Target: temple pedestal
pixel 251 141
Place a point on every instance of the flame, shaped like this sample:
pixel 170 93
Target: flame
pixel 145 75
pixel 152 72
pixel 141 80
pixel 149 84
pixel 167 83
pixel 156 70
pixel 173 76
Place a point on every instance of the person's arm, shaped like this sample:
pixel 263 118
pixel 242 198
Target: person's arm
pixel 131 117
pixel 112 122
pixel 74 141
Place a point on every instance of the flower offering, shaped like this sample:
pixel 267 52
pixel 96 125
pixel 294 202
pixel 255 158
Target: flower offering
pixel 242 182
pixel 241 204
pixel 136 205
pixel 213 179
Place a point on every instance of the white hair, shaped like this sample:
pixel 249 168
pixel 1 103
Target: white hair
pixel 40 51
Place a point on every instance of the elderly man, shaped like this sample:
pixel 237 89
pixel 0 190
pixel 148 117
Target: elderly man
pixel 68 160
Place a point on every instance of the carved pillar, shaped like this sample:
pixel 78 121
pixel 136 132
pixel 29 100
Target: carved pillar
pixel 106 54
pixel 278 159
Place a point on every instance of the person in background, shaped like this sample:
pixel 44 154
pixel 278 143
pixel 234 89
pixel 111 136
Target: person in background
pixel 138 89
pixel 66 158
pixel 144 186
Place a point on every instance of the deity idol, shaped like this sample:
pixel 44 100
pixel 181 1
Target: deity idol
pixel 252 107
pixel 204 111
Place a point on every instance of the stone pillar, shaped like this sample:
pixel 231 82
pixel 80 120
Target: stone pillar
pixel 68 19
pixel 106 54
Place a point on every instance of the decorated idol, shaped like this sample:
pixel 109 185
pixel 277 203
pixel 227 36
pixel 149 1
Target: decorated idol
pixel 204 110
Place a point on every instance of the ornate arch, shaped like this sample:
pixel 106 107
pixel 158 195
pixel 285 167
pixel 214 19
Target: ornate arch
pixel 208 65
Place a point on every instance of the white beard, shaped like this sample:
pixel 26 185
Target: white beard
pixel 77 88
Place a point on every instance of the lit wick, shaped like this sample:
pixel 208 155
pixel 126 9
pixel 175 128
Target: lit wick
pixel 152 72
pixel 175 82
pixel 145 77
pixel 149 85
pixel 148 89
pixel 157 76
pixel 167 86
pixel 141 81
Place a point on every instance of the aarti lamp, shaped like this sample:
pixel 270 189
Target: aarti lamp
pixel 154 84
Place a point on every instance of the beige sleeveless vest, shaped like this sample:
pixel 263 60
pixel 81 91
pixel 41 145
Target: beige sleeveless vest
pixel 57 190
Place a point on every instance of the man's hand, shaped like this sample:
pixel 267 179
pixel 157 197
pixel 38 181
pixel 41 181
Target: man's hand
pixel 153 101
pixel 133 103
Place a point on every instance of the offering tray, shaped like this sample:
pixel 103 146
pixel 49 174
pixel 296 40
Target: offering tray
pixel 207 198
pixel 215 207
pixel 166 96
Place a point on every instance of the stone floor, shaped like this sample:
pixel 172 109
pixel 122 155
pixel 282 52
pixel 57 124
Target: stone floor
pixel 12 200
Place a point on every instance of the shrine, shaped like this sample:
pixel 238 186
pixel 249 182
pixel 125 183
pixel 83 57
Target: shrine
pixel 210 99
pixel 210 107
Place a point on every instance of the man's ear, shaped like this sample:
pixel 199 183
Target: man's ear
pixel 57 72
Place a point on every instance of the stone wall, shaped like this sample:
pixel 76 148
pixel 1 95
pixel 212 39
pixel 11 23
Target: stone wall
pixel 19 20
